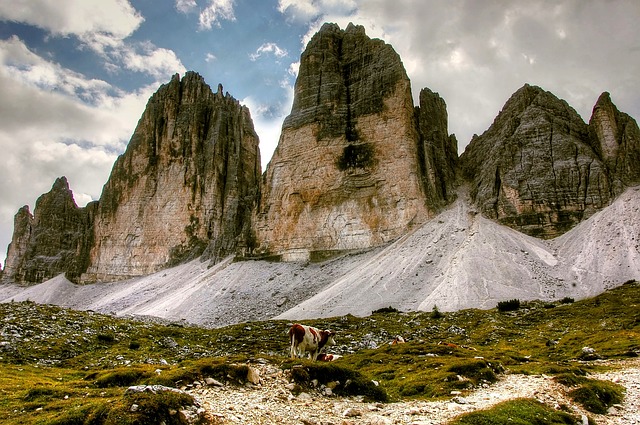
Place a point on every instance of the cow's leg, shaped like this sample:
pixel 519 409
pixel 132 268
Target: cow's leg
pixel 294 349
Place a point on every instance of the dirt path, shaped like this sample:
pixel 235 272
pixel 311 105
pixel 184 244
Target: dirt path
pixel 271 402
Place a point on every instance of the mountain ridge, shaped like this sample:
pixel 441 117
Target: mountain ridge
pixel 359 171
pixel 240 291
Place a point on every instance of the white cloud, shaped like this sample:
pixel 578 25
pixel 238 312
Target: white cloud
pixel 57 123
pixel 268 48
pixel 186 6
pixel 209 57
pixel 216 11
pixel 476 54
pixel 98 23
pixel 158 62
pixel 267 120
pixel 308 10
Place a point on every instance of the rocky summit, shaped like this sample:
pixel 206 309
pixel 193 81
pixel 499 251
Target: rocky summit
pixel 540 169
pixel 186 185
pixel 351 170
pixel 53 240
pixel 361 177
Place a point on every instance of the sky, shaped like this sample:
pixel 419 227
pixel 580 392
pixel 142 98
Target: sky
pixel 75 75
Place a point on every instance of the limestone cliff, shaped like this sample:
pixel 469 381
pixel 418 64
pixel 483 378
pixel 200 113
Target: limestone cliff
pixel 437 149
pixel 53 240
pixel 186 184
pixel 616 138
pixel 535 169
pixel 347 171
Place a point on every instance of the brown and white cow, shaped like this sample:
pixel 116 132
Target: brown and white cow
pixel 322 357
pixel 307 339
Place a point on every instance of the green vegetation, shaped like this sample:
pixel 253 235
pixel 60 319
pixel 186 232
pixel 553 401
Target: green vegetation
pixel 597 396
pixel 57 363
pixel 510 305
pixel 522 411
pixel 346 381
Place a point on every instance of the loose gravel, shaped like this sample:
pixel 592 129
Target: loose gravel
pixel 271 401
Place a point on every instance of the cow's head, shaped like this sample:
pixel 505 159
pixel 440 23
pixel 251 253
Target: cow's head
pixel 329 334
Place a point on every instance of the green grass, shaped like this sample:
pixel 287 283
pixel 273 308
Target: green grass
pixel 54 360
pixel 597 396
pixel 517 412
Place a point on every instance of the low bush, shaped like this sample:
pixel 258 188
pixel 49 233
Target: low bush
pixel 385 310
pixel 510 305
pixel 435 313
pixel 106 338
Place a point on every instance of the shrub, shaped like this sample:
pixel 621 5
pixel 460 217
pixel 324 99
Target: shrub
pixel 435 313
pixel 386 310
pixel 597 396
pixel 567 300
pixel 510 305
pixel 107 338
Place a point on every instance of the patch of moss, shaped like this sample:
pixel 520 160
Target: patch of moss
pixel 360 155
pixel 121 377
pixel 351 382
pixel 521 411
pixel 598 396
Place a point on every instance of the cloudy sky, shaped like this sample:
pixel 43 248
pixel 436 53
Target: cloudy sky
pixel 75 75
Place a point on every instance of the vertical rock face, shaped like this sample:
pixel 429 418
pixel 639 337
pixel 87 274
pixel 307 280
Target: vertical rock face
pixel 438 150
pixel 52 241
pixel 535 169
pixel 186 185
pixel 346 172
pixel 616 138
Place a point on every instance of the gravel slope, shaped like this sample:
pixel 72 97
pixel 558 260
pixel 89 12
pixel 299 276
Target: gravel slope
pixel 457 260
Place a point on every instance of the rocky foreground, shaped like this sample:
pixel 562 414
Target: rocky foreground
pixel 272 402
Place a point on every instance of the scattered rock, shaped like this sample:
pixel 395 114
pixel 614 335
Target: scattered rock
pixel 351 412
pixel 253 376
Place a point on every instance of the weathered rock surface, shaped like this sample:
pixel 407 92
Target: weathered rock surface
pixel 437 149
pixel 348 171
pixel 535 168
pixel 186 185
pixel 54 240
pixel 617 141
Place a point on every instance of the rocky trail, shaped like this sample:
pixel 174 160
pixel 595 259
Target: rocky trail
pixel 271 401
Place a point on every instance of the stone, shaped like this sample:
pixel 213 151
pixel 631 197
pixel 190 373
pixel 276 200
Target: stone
pixel 213 382
pixel 304 397
pixel 185 186
pixel 54 240
pixel 351 412
pixel 253 375
pixel 535 169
